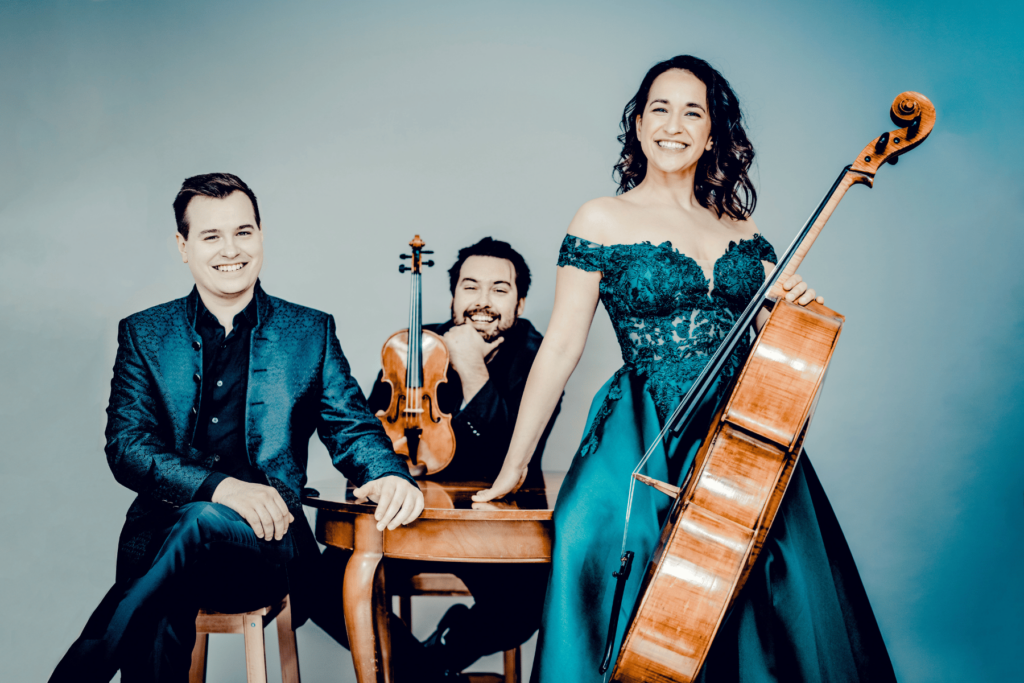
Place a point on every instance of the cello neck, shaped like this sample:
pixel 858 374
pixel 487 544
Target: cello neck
pixel 916 114
pixel 818 219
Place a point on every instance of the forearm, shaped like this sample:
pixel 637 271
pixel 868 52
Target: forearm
pixel 353 436
pixel 473 380
pixel 554 364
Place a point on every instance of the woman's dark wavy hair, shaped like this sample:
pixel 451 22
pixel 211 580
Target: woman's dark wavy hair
pixel 722 182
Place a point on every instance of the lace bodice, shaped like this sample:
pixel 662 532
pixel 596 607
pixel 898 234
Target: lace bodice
pixel 667 316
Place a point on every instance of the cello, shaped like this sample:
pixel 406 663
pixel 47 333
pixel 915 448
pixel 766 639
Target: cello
pixel 725 507
pixel 415 362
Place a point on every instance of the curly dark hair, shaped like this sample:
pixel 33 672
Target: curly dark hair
pixel 722 183
pixel 489 246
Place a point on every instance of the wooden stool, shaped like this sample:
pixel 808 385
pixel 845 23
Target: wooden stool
pixel 450 585
pixel 250 625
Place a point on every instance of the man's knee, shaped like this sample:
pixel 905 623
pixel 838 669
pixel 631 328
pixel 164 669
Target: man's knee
pixel 206 522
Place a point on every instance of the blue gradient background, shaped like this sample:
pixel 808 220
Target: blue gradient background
pixel 358 125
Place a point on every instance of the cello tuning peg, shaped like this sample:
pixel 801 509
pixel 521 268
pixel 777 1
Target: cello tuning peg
pixel 424 251
pixel 893 160
pixel 402 268
pixel 913 127
pixel 404 256
pixel 428 263
pixel 883 142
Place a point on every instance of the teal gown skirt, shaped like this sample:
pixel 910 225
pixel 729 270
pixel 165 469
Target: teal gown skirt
pixel 803 615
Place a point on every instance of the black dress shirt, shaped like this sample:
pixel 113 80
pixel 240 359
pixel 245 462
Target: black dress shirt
pixel 483 428
pixel 220 424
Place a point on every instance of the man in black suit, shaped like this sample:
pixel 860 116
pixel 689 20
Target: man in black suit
pixel 213 401
pixel 491 349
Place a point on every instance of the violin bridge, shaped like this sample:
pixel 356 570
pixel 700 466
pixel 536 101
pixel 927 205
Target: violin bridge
pixel 667 489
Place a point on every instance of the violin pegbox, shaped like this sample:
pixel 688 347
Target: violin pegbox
pixel 417 251
pixel 916 114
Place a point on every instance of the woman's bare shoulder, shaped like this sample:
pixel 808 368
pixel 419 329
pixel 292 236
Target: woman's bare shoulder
pixel 744 229
pixel 598 220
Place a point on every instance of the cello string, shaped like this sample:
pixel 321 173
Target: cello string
pixel 705 380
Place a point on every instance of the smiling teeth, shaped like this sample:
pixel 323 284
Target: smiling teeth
pixel 481 319
pixel 668 144
pixel 230 268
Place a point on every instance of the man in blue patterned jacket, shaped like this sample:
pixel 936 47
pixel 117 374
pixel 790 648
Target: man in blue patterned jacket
pixel 212 405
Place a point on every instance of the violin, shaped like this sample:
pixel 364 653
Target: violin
pixel 415 362
pixel 724 509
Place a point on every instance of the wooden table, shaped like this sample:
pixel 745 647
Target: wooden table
pixel 452 528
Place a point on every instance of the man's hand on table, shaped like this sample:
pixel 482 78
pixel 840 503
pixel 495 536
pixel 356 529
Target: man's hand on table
pixel 398 501
pixel 261 506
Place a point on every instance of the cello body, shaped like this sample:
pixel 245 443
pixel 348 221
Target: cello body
pixel 723 512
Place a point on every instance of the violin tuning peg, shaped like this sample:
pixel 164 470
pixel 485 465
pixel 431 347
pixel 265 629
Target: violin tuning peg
pixel 426 252
pixel 404 256
pixel 402 268
pixel 428 263
pixel 893 160
pixel 883 142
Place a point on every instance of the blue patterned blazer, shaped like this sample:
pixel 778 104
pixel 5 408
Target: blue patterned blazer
pixel 299 381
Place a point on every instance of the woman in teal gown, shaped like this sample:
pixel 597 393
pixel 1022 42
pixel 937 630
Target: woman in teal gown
pixel 675 258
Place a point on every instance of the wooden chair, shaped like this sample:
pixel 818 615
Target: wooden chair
pixel 250 625
pixel 451 585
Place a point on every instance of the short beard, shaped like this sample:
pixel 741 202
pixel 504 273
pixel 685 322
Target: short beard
pixel 497 333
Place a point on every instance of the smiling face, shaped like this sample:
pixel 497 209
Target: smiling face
pixel 486 296
pixel 675 129
pixel 224 249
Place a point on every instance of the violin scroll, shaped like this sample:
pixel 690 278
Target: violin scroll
pixel 916 115
pixel 416 256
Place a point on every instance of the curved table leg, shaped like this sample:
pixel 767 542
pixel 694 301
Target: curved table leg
pixel 366 613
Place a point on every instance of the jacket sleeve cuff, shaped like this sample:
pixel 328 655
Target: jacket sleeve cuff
pixel 205 491
pixel 404 474
pixel 485 413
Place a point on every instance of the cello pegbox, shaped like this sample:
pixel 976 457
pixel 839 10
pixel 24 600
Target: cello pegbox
pixel 915 115
pixel 883 142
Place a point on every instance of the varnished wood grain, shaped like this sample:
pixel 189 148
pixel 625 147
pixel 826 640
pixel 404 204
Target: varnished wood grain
pixel 782 373
pixel 451 529
pixel 250 625
pixel 719 523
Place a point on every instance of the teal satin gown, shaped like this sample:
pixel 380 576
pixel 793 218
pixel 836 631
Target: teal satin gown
pixel 803 615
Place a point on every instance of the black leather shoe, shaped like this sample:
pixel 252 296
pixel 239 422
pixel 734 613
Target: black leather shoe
pixel 437 654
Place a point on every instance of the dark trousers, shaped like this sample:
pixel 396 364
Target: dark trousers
pixel 507 604
pixel 209 557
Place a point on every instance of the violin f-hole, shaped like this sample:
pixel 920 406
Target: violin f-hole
pixel 398 409
pixel 428 404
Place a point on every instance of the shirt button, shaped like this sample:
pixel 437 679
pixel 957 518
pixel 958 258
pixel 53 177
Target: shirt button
pixel 216 458
pixel 220 383
pixel 196 345
pixel 197 377
pixel 215 420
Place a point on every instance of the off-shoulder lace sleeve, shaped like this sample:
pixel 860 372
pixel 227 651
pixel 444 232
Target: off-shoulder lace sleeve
pixel 579 253
pixel 765 251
